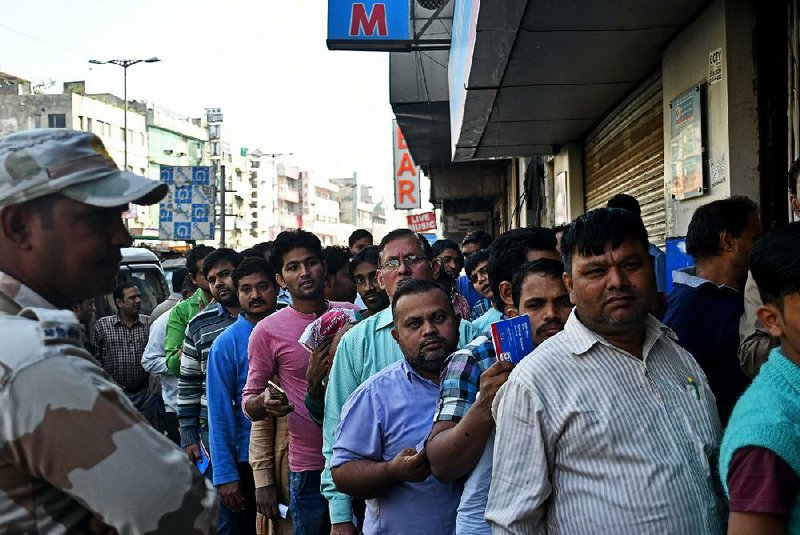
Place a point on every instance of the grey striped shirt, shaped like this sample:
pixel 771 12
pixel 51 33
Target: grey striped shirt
pixel 592 440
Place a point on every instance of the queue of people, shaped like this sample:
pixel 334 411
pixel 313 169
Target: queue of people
pixel 346 390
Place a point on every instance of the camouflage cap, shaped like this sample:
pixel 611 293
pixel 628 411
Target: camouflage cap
pixel 35 163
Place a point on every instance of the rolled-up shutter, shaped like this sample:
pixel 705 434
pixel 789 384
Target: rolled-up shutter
pixel 625 154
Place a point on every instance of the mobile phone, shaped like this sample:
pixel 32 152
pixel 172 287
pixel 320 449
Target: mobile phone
pixel 276 387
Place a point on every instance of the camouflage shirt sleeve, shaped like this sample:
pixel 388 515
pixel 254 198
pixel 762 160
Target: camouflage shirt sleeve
pixel 75 430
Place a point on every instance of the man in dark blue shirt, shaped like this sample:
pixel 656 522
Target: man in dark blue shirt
pixel 707 300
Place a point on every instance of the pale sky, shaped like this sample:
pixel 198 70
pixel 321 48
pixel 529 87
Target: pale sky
pixel 264 63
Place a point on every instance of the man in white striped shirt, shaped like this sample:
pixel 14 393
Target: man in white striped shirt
pixel 609 426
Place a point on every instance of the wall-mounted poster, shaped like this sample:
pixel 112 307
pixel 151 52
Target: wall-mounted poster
pixel 686 135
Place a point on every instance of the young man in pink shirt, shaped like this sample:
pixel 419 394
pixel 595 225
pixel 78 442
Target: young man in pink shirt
pixel 274 351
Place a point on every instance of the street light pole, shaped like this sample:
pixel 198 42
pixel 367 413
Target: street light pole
pixel 125 63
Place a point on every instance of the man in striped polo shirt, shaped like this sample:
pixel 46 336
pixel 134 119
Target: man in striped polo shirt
pixel 609 426
pixel 201 332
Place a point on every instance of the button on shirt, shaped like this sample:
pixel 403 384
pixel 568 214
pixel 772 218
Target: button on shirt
pixel 118 349
pixel 591 440
pixel 363 351
pixel 389 412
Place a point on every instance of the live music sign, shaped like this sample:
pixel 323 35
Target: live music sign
pixel 369 24
pixel 422 222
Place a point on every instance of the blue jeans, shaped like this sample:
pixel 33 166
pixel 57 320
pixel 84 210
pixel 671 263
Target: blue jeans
pixel 309 509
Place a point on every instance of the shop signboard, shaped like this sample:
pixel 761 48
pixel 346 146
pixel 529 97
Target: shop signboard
pixel 369 24
pixel 422 222
pixel 187 212
pixel 407 194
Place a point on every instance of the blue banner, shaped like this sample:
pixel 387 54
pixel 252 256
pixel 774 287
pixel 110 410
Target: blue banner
pixel 369 20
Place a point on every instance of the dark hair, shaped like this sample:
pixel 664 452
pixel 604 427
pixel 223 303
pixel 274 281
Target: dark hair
pixel 194 256
pixel 548 266
pixel 560 228
pixel 369 255
pixel 288 240
pixel 710 220
pixel 250 266
pixel 510 251
pixel 418 286
pixel 358 234
pixel 775 264
pixel 481 237
pixel 476 258
pixel 119 291
pixel 221 255
pixel 336 257
pixel 793 175
pixel 626 202
pixel 400 233
pixel 188 285
pixel 591 232
pixel 178 276
pixel 264 248
pixel 252 252
pixel 439 246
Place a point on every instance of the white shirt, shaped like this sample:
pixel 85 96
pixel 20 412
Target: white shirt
pixel 591 439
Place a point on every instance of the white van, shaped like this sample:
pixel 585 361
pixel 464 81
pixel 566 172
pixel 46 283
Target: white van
pixel 142 267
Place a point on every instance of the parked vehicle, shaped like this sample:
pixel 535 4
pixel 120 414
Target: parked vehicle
pixel 142 267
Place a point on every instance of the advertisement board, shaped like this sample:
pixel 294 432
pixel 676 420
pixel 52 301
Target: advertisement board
pixel 187 212
pixel 422 222
pixel 406 174
pixel 368 24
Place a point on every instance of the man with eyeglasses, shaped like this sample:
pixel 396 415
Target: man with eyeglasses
pixel 368 348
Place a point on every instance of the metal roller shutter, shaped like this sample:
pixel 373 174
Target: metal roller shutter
pixel 625 154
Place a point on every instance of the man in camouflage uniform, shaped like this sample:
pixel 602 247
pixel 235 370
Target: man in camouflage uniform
pixel 75 456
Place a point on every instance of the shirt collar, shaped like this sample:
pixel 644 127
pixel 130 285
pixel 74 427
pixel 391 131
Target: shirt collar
pixel 583 339
pixel 411 373
pixel 118 319
pixel 688 277
pixel 24 296
pixel 384 318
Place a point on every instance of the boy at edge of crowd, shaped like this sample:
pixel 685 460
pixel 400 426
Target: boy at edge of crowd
pixel 760 452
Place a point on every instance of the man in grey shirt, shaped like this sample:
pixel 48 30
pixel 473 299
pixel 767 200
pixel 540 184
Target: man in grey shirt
pixel 608 426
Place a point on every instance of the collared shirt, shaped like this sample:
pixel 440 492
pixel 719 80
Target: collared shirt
pixel 274 351
pixel 53 392
pixel 363 351
pixel 119 349
pixel 154 361
pixel 201 332
pixel 591 439
pixel 706 316
pixel 461 377
pixel 389 412
pixel 226 376
pixel 179 317
pixel 458 390
pixel 484 323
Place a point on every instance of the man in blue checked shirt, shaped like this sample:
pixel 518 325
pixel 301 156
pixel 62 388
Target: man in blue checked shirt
pixel 257 289
pixel 462 439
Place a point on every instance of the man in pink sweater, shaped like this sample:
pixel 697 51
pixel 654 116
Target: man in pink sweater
pixel 274 352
